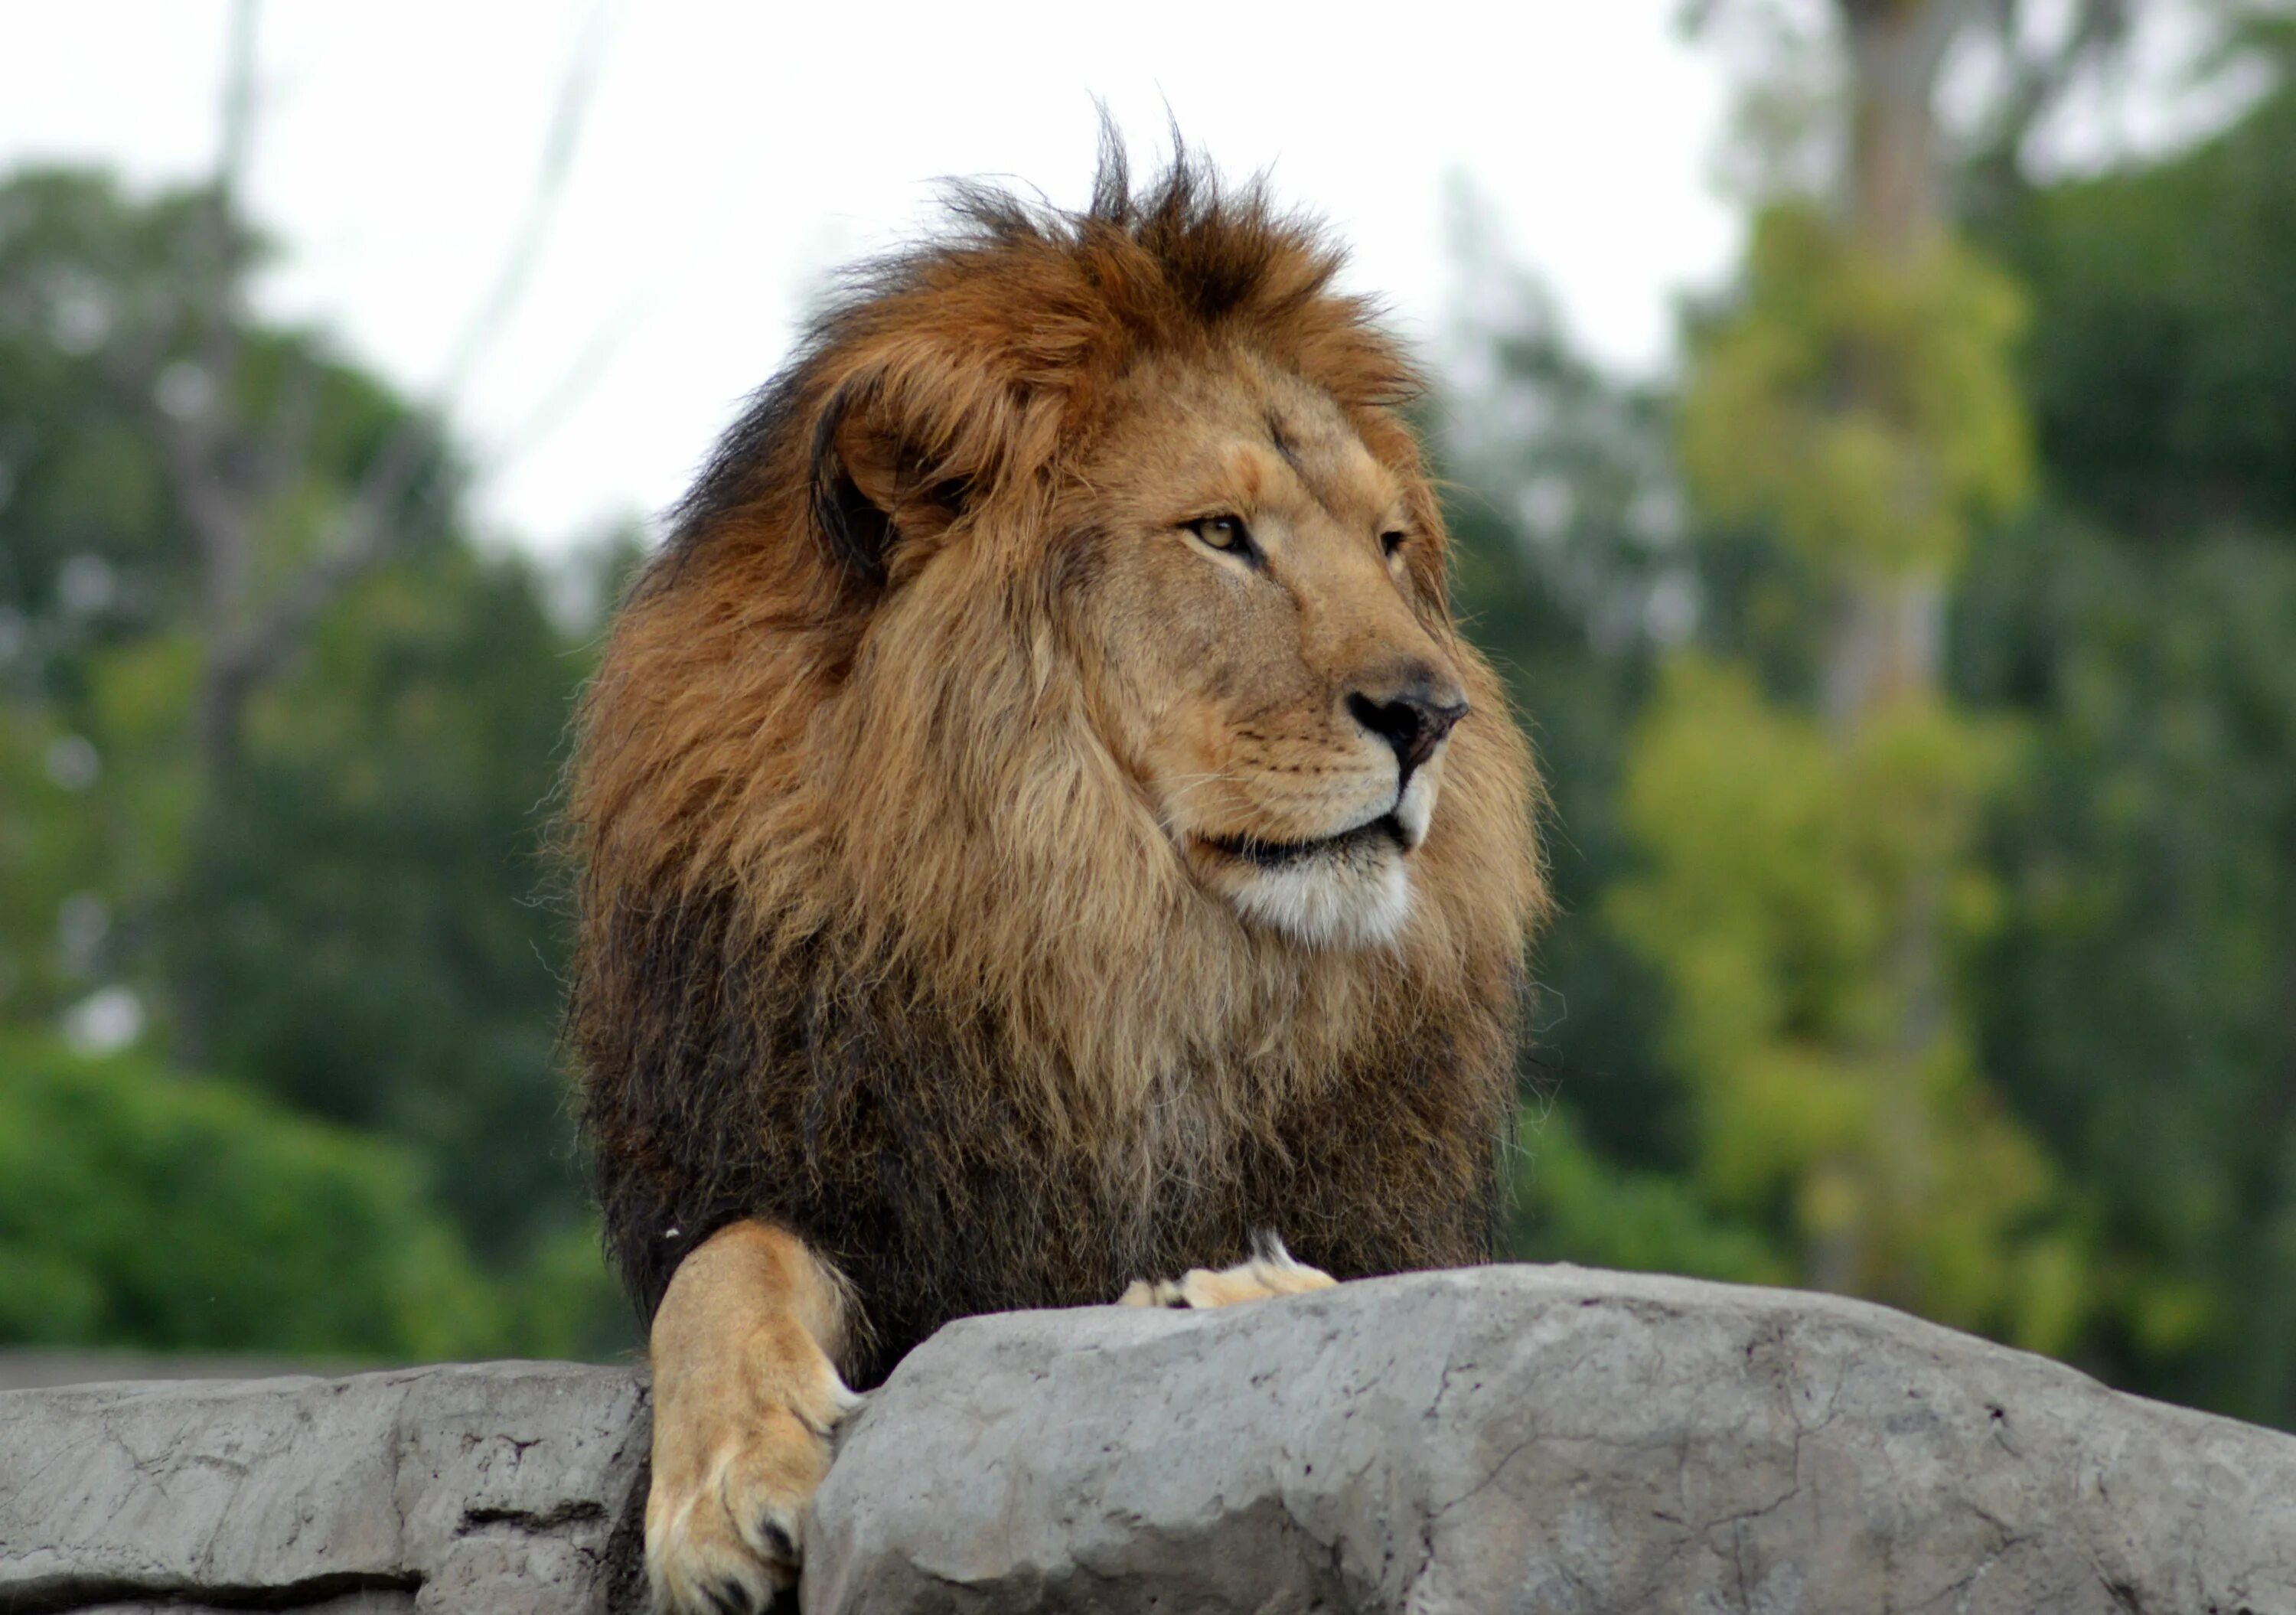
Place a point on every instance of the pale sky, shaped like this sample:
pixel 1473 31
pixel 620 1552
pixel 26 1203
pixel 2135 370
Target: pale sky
pixel 734 151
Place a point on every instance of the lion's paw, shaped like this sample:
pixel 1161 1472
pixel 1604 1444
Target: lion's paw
pixel 1271 1271
pixel 724 1520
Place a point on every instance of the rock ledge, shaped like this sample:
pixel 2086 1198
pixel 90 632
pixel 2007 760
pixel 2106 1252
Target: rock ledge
pixel 1533 1438
pixel 490 1488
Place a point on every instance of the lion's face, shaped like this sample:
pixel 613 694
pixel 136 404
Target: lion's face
pixel 1262 641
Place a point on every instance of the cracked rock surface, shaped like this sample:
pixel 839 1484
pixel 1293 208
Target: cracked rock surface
pixel 1536 1438
pixel 1511 1439
pixel 494 1486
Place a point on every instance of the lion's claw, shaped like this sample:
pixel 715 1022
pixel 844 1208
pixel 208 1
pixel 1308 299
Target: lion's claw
pixel 1271 1271
pixel 726 1532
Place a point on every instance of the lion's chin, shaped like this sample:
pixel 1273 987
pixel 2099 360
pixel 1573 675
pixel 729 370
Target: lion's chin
pixel 1328 903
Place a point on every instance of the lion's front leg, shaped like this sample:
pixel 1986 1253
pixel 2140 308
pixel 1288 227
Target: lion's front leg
pixel 745 1397
pixel 1270 1271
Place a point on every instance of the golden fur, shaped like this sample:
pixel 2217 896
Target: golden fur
pixel 745 1395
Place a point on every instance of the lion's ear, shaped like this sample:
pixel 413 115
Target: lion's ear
pixel 888 479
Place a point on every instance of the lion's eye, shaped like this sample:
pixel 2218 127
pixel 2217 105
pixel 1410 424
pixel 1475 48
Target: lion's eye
pixel 1226 534
pixel 1389 543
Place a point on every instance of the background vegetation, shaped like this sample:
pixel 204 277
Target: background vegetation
pixel 1915 674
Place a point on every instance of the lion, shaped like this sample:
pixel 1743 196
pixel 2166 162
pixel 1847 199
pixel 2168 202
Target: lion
pixel 1044 837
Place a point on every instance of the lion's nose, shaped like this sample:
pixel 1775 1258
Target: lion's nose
pixel 1413 721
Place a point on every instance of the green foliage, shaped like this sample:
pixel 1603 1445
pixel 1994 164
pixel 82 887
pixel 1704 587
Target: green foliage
pixel 50 854
pixel 1802 890
pixel 1573 1204
pixel 1571 571
pixel 99 317
pixel 1780 865
pixel 2162 362
pixel 84 269
pixel 2137 1001
pixel 400 971
pixel 1869 411
pixel 141 1207
pixel 2140 999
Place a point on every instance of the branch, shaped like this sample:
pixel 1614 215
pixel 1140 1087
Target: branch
pixel 1913 34
pixel 366 532
pixel 558 149
pixel 193 437
pixel 369 528
pixel 2039 78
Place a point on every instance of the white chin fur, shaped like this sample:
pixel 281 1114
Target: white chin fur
pixel 1326 907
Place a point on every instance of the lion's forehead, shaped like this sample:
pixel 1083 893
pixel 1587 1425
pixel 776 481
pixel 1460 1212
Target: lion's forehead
pixel 1263 432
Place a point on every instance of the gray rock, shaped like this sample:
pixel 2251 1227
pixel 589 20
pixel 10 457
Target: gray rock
pixel 1528 1439
pixel 488 1488
pixel 1512 1438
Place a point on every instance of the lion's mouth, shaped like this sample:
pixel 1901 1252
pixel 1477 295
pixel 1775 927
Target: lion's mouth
pixel 1280 854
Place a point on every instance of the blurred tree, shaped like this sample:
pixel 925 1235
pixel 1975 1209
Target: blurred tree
pixel 2162 367
pixel 400 971
pixel 2039 55
pixel 345 900
pixel 1834 86
pixel 1580 573
pixel 52 921
pixel 2116 924
pixel 1571 573
pixel 2139 1001
pixel 2139 998
pixel 101 567
pixel 1808 882
pixel 139 1207
pixel 280 528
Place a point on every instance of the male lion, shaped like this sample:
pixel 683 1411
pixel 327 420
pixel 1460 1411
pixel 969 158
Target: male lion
pixel 1043 830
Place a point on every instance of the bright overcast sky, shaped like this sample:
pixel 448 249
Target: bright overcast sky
pixel 732 152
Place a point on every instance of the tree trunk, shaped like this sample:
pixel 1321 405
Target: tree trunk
pixel 1887 634
pixel 1886 638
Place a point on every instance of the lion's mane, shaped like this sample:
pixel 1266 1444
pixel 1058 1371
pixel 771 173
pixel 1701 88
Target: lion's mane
pixel 876 940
